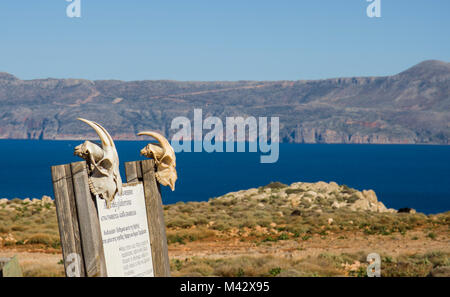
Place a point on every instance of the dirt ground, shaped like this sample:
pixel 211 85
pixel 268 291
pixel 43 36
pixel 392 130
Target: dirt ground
pixel 37 261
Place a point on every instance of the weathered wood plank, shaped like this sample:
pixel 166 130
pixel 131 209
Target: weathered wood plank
pixel 131 172
pixel 91 240
pixel 67 214
pixel 155 217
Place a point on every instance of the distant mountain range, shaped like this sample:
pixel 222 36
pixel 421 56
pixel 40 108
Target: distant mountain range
pixel 410 107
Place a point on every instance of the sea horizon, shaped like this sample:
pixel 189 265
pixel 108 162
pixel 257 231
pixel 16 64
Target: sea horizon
pixel 402 175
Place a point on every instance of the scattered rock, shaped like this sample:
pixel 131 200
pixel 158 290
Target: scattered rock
pixel 370 195
pixel 443 271
pixel 259 196
pixel 407 210
pixel 312 194
pixel 282 195
pixel 333 186
pixel 337 204
pixel 296 213
pixel 10 239
pixel 252 191
pixel 381 207
pixel 360 204
pixel 46 199
pixel 352 267
pixel 307 199
pixel 330 221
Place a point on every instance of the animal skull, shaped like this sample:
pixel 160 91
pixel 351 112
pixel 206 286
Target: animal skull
pixel 164 157
pixel 103 162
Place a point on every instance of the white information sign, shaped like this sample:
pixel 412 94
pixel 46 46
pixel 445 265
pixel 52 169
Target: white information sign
pixel 125 235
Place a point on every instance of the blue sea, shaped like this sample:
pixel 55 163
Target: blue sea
pixel 416 176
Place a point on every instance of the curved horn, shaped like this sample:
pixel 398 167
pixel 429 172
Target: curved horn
pixel 101 132
pixel 107 135
pixel 161 139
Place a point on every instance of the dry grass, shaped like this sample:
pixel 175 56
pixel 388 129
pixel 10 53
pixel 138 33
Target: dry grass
pixel 267 221
pixel 25 223
pixel 226 216
pixel 325 264
pixel 188 235
pixel 38 264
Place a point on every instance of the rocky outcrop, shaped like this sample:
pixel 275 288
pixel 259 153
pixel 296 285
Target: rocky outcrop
pixel 312 196
pixel 11 203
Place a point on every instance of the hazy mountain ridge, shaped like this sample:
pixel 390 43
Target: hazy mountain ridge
pixel 410 107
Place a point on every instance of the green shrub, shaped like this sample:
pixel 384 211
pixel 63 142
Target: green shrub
pixel 283 236
pixel 294 191
pixel 270 239
pixel 347 190
pixel 275 271
pixel 432 235
pixel 352 199
pixel 175 238
pixel 275 185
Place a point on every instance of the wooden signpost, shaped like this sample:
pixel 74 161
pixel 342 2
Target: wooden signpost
pixel 129 239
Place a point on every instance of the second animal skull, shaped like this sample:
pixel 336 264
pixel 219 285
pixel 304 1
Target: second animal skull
pixel 164 156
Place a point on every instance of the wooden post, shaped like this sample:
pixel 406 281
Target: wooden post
pixel 66 211
pixel 91 236
pixel 133 171
pixel 79 227
pixel 145 171
pixel 79 224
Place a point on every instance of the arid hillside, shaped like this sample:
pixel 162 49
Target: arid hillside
pixel 302 229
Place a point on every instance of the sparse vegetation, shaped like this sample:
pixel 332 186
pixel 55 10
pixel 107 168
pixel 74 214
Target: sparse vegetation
pixel 275 185
pixel 295 217
pixel 324 264
pixel 25 223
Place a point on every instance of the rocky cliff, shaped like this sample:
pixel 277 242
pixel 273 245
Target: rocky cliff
pixel 410 107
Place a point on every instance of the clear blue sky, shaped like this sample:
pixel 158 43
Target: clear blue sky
pixel 219 40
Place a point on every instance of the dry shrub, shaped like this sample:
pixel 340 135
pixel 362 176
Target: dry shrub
pixel 44 271
pixel 275 185
pixel 42 238
pixel 199 269
pixel 318 267
pixel 4 229
pixel 244 266
pixel 18 228
pixel 186 235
